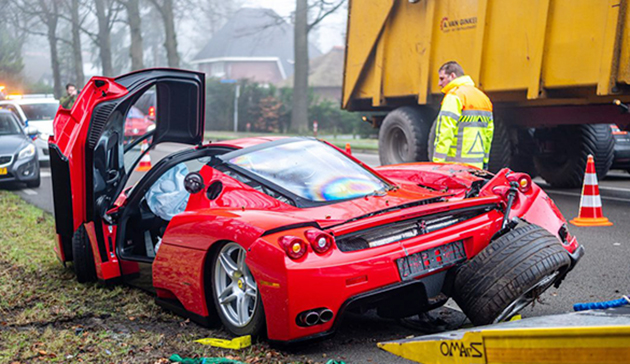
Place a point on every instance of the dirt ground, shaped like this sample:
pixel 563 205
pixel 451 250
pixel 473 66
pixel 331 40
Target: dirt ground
pixel 46 316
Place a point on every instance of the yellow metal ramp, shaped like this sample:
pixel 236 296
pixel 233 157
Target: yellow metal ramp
pixel 596 336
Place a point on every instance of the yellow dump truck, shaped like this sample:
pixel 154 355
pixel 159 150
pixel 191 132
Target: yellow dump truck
pixel 551 67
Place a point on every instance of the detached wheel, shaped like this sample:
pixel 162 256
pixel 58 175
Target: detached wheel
pixel 509 274
pixel 82 257
pixel 235 292
pixel 403 137
pixel 567 148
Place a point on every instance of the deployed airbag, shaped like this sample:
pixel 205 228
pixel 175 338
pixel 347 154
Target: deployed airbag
pixel 167 197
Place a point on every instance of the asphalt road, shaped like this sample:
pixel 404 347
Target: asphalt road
pixel 602 274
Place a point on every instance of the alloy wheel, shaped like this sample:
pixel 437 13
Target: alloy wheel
pixel 235 286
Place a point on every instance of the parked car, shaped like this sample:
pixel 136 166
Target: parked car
pixel 283 236
pixel 18 155
pixel 622 149
pixel 137 125
pixel 37 111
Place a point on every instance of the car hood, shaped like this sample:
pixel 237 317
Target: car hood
pixel 10 144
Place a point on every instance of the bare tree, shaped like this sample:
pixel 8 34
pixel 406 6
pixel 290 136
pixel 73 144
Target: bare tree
pixel 106 13
pixel 12 37
pixel 209 15
pixel 135 29
pixel 43 13
pixel 103 37
pixel 318 10
pixel 165 8
pixel 76 20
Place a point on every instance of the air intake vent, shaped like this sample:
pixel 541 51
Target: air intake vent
pixel 391 233
pixel 99 119
pixel 5 159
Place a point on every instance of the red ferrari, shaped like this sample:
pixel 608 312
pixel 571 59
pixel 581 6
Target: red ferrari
pixel 282 236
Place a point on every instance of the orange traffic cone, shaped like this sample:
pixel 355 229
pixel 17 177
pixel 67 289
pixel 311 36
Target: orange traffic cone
pixel 348 149
pixel 145 162
pixel 591 213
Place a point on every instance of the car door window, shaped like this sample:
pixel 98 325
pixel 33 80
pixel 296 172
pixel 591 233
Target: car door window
pixel 14 110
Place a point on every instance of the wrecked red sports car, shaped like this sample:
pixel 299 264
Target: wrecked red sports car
pixel 282 236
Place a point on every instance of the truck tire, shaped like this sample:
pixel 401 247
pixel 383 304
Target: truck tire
pixel 431 141
pixel 509 274
pixel 565 166
pixel 526 148
pixel 403 137
pixel 83 259
pixel 501 151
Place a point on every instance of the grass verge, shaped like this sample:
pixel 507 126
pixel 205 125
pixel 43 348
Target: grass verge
pixel 46 316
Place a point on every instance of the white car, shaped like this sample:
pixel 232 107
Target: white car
pixel 36 111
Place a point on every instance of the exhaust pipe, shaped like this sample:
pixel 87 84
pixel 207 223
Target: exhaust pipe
pixel 311 318
pixel 325 315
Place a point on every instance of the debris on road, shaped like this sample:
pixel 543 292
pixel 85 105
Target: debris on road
pixel 178 359
pixel 236 343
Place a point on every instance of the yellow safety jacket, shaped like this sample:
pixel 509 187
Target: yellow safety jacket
pixel 464 125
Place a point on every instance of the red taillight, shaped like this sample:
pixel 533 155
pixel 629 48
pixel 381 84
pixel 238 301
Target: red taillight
pixel 293 246
pixel 152 111
pixel 320 241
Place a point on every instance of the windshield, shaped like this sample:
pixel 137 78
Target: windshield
pixel 311 170
pixel 8 125
pixel 45 111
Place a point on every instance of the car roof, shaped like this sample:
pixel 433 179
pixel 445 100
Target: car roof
pixel 30 101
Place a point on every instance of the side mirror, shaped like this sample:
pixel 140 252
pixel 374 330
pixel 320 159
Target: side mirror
pixel 193 183
pixel 31 130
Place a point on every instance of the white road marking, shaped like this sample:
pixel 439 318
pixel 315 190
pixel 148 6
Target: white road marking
pixel 540 182
pixel 578 195
pixel 613 188
pixel 28 191
pixel 45 174
pixel 616 244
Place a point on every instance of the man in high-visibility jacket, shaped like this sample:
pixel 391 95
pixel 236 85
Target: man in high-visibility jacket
pixel 464 125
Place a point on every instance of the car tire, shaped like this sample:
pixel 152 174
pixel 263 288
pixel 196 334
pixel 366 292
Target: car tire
pixel 235 292
pixel 573 143
pixel 36 182
pixel 82 257
pixel 403 136
pixel 509 274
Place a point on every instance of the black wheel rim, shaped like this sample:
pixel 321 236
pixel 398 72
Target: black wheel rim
pixel 527 297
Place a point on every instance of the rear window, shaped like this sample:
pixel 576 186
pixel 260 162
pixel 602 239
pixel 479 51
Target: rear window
pixel 44 111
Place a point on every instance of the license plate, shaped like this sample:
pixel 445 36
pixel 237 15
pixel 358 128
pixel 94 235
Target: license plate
pixel 432 259
pixel 3 171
